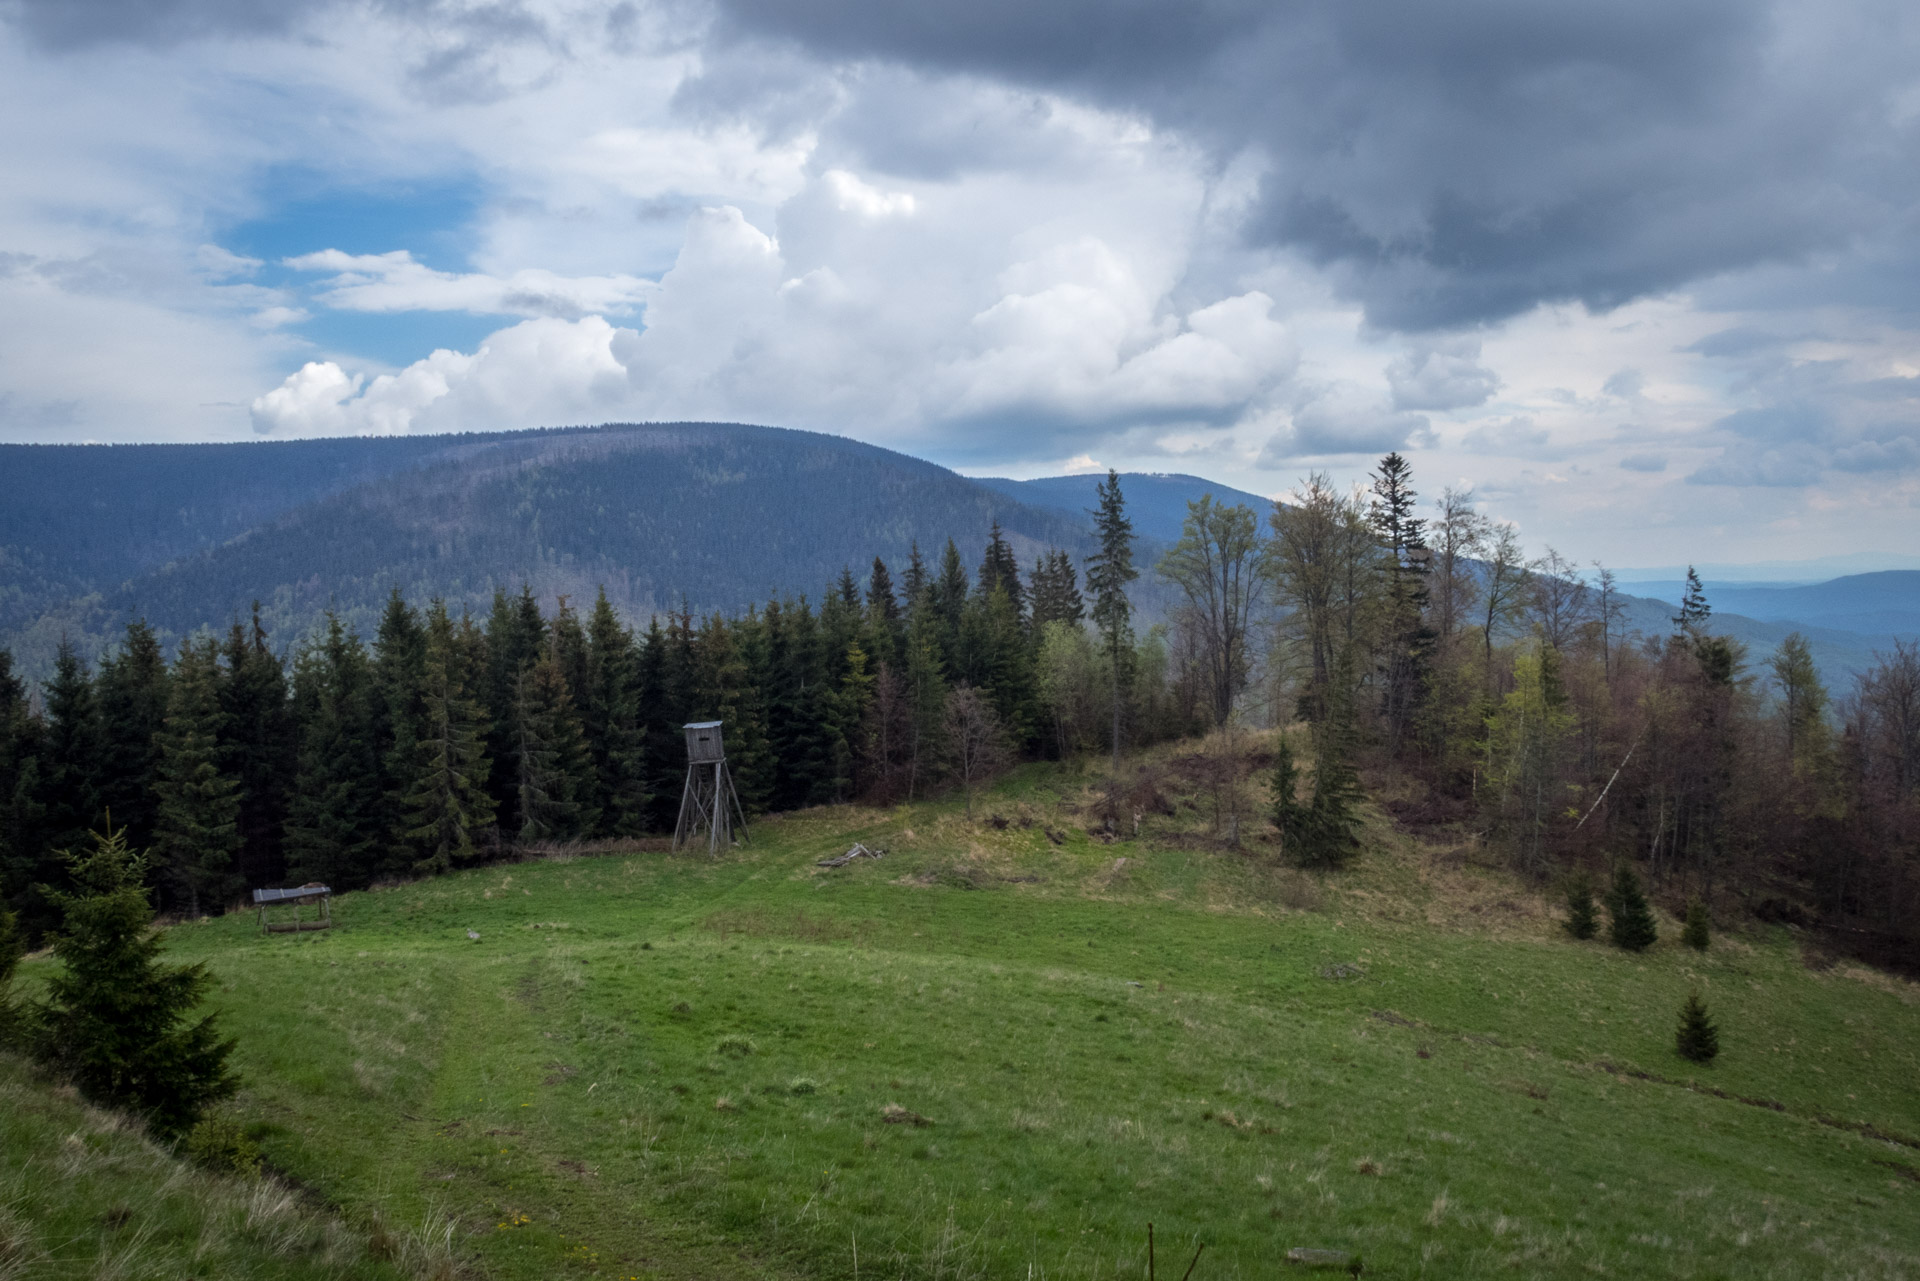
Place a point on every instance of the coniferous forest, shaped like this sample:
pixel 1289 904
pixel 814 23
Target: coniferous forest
pixel 1434 663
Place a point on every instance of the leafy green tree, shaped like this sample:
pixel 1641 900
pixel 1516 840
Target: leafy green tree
pixel 1527 742
pixel 197 834
pixel 1070 686
pixel 1696 1039
pixel 1803 707
pixel 131 690
pixel 1583 918
pixel 1219 566
pixel 1697 934
pixel 446 802
pixel 116 1020
pixel 1633 927
pixel 1109 570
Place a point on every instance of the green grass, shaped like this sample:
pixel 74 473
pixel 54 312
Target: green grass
pixel 658 1066
pixel 85 1195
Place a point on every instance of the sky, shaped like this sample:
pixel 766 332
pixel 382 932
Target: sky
pixel 1644 276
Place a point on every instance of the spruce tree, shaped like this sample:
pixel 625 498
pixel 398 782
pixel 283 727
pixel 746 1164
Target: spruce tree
pixel 999 568
pixel 332 832
pixel 1696 935
pixel 400 709
pixel 24 854
pixel 1633 927
pixel 1289 815
pixel 1331 834
pixel 917 577
pixel 257 748
pixel 1109 570
pixel 1696 1039
pixel 197 832
pixel 131 688
pixel 544 733
pixel 1690 623
pixel 116 1019
pixel 1583 919
pixel 1056 592
pixel 611 717
pixel 72 755
pixel 446 801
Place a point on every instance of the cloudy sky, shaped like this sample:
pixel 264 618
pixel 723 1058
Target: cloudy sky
pixel 1646 275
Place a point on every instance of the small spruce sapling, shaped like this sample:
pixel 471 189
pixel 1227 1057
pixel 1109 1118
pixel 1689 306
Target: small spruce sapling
pixel 1633 927
pixel 1696 935
pixel 117 1018
pixel 1583 919
pixel 1698 1039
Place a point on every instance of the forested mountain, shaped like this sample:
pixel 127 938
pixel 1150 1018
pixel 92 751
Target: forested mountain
pixel 1156 503
pixel 718 516
pixel 79 519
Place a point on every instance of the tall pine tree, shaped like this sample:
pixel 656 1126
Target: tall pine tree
pixel 333 831
pixel 132 691
pixel 1109 570
pixel 446 804
pixel 197 832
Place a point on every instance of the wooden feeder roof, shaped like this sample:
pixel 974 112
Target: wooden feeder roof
pixel 298 894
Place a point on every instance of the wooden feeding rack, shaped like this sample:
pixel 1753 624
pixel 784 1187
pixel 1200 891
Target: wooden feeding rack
pixel 312 893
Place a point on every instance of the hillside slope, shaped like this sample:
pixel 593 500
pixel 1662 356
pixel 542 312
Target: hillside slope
pixel 1156 503
pixel 1005 1047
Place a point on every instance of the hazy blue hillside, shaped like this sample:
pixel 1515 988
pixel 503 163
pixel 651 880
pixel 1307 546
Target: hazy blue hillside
pixel 1156 503
pixel 722 516
pixel 1837 653
pixel 1885 603
pixel 85 518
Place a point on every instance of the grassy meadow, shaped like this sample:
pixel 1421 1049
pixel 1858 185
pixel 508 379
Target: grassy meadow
pixel 1002 1050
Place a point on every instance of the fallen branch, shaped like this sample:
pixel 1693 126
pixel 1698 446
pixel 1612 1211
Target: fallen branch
pixel 858 851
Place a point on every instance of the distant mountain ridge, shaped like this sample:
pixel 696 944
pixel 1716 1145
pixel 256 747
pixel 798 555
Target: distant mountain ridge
pixel 1156 502
pixel 1886 602
pixel 717 516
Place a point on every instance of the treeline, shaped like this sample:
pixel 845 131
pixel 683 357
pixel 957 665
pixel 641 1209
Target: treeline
pixel 1497 695
pixel 441 739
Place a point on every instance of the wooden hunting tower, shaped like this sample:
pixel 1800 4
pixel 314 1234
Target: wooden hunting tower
pixel 708 801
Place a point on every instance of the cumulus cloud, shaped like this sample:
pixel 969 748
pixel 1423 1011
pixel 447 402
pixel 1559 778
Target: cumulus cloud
pixel 1443 376
pixel 533 374
pixel 395 282
pixel 1336 424
pixel 728 332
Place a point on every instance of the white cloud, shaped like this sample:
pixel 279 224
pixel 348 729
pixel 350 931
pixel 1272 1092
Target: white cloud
pixel 395 282
pixel 855 196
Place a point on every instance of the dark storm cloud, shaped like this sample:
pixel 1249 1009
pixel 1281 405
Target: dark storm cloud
pixel 71 24
pixel 1459 163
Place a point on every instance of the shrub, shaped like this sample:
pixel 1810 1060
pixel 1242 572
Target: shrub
pixel 1633 927
pixel 115 1018
pixel 1583 919
pixel 735 1043
pixel 1695 935
pixel 1697 1039
pixel 218 1143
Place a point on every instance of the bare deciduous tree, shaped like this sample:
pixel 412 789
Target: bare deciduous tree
pixel 1218 565
pixel 976 741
